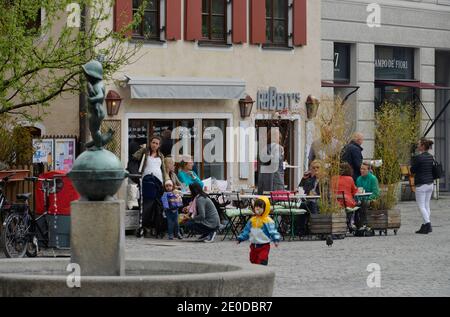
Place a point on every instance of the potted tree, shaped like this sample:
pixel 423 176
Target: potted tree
pixel 334 131
pixel 397 128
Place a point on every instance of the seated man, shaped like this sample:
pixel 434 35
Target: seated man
pixel 369 183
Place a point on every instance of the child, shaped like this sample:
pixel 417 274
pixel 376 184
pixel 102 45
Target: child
pixel 260 229
pixel 171 203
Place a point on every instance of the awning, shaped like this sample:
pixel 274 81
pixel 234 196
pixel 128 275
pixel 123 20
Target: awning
pixel 337 85
pixel 412 84
pixel 419 85
pixel 185 88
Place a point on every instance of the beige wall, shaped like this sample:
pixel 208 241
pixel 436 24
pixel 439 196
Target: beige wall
pixel 298 70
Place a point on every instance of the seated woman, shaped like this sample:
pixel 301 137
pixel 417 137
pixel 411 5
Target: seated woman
pixel 204 216
pixel 369 182
pixel 344 185
pixel 186 175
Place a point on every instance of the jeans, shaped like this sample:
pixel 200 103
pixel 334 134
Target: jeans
pixel 423 197
pixel 199 228
pixel 361 214
pixel 172 223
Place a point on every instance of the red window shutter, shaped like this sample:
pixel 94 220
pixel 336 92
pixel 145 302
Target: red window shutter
pixel 193 20
pixel 239 21
pixel 123 15
pixel 257 21
pixel 300 24
pixel 173 19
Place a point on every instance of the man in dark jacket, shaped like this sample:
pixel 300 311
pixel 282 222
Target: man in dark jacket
pixel 352 154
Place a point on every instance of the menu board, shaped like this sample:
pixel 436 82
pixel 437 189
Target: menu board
pixel 64 154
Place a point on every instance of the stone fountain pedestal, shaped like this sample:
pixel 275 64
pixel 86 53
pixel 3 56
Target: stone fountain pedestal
pixel 98 237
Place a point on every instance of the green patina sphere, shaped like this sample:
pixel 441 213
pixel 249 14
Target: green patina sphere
pixel 97 175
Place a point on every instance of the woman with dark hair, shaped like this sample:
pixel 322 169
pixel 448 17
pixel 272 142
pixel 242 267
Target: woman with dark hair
pixel 204 216
pixel 422 167
pixel 345 189
pixel 152 161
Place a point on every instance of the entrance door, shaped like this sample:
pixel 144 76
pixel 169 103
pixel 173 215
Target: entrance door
pixel 287 132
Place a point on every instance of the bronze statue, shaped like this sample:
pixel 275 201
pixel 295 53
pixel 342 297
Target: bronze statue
pixel 96 95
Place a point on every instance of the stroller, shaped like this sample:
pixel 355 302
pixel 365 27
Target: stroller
pixel 151 219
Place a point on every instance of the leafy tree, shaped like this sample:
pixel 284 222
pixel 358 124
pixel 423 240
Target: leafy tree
pixel 42 49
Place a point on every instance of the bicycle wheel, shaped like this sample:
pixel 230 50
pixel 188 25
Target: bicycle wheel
pixel 15 236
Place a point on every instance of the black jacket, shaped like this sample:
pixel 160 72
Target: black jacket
pixel 422 167
pixel 309 184
pixel 352 154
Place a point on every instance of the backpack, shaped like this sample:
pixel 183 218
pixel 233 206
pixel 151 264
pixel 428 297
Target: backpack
pixel 438 171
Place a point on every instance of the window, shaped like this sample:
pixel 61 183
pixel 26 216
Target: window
pixel 342 62
pixel 148 29
pixel 214 20
pixel 277 22
pixel 213 163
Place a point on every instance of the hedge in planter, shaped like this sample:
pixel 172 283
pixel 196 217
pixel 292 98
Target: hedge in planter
pixel 332 119
pixel 397 128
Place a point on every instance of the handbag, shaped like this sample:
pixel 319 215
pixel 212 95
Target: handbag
pixel 438 171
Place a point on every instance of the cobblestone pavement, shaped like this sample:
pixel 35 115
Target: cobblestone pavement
pixel 411 264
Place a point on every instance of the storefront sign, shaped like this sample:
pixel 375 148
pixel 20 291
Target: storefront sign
pixel 394 63
pixel 273 101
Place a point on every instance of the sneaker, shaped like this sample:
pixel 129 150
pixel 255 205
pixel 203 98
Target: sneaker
pixel 211 237
pixel 179 237
pixel 203 237
pixel 170 237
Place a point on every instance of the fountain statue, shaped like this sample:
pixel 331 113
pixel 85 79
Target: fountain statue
pixel 97 266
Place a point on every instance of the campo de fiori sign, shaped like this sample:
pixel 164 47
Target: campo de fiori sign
pixel 272 100
pixel 394 62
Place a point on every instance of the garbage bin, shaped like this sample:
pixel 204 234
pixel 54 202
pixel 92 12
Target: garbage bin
pixel 57 207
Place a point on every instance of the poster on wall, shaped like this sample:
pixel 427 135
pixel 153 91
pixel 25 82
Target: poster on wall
pixel 43 152
pixel 64 154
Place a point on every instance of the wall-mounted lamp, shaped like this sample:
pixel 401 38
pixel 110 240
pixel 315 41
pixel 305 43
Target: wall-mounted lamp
pixel 246 105
pixel 312 105
pixel 113 101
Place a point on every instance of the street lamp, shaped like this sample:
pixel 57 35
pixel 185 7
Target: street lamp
pixel 312 105
pixel 246 105
pixel 113 101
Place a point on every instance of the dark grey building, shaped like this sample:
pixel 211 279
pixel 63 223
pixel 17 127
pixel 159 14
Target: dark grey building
pixel 391 49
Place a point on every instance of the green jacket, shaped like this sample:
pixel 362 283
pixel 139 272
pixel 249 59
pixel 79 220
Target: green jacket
pixel 139 155
pixel 370 185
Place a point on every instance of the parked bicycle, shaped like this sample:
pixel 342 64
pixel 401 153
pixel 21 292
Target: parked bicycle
pixel 23 233
pixel 5 206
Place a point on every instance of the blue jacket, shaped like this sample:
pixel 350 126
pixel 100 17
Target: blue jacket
pixel 263 235
pixel 260 229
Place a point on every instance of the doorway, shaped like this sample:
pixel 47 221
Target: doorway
pixel 287 132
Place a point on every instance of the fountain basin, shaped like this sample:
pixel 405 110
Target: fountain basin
pixel 48 277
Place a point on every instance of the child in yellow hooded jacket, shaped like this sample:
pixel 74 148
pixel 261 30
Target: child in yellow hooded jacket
pixel 260 230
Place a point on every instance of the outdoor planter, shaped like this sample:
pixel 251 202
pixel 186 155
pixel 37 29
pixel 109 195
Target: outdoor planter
pixel 326 224
pixel 383 220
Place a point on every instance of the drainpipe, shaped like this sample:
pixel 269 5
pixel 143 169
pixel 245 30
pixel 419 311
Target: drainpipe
pixel 82 113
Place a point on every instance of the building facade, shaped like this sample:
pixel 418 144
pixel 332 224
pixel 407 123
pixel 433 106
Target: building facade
pixel 393 50
pixel 199 59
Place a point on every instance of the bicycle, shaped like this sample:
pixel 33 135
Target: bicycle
pixel 23 233
pixel 5 206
